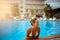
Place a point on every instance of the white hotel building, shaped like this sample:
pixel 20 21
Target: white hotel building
pixel 25 7
pixel 36 5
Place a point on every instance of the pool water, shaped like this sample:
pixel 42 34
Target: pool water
pixel 16 29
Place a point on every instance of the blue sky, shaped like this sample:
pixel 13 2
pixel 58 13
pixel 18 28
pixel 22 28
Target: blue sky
pixel 51 1
pixel 54 3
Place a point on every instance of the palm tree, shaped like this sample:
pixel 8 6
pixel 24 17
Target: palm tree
pixel 48 11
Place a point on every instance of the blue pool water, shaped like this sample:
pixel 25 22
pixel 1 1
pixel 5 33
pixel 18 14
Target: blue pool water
pixel 16 29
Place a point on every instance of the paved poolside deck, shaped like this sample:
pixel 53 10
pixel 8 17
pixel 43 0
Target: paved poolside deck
pixel 53 37
pixel 47 39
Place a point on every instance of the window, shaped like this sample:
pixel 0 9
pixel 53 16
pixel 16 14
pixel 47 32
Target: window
pixel 37 11
pixel 21 11
pixel 26 10
pixel 21 6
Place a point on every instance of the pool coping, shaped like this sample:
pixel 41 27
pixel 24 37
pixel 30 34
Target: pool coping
pixel 57 37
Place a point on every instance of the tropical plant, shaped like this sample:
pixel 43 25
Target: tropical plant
pixel 32 11
pixel 15 10
pixel 48 11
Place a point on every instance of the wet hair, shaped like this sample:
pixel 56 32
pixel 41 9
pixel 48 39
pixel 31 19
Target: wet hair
pixel 33 21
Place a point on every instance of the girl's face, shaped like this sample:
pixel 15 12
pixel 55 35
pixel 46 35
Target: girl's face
pixel 36 23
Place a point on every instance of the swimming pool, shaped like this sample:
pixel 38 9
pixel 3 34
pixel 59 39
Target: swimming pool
pixel 16 29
